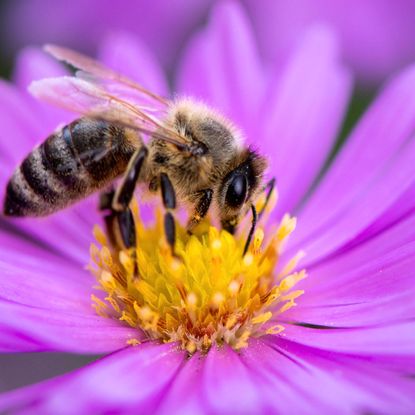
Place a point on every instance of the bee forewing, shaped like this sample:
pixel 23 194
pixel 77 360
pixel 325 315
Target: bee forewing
pixel 144 102
pixel 67 92
pixel 100 92
pixel 99 72
pixel 83 97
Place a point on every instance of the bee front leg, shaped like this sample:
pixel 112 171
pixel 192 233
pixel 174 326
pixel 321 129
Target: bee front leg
pixel 251 230
pixel 203 201
pixel 169 201
pixel 270 186
pixel 256 216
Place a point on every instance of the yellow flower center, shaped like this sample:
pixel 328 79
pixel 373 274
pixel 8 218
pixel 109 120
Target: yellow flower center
pixel 212 295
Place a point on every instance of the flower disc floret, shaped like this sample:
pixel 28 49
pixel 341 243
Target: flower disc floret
pixel 207 294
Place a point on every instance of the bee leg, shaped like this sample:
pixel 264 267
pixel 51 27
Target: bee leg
pixel 270 186
pixel 105 204
pixel 256 216
pixel 119 224
pixel 252 230
pixel 105 199
pixel 169 201
pixel 204 199
pixel 120 221
pixel 125 191
pixel 126 225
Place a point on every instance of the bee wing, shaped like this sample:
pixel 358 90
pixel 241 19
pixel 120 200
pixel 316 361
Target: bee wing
pixel 87 98
pixel 94 71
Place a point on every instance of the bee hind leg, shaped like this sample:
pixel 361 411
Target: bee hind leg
pixel 105 203
pixel 120 221
pixel 119 224
pixel 169 201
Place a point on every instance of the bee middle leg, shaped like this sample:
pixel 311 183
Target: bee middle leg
pixel 203 200
pixel 231 225
pixel 125 191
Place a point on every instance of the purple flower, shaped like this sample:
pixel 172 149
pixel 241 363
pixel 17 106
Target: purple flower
pixel 348 346
pixel 376 37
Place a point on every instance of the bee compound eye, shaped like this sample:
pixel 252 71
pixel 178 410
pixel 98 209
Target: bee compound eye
pixel 237 190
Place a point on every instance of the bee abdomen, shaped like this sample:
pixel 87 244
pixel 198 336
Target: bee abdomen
pixel 67 166
pixel 32 190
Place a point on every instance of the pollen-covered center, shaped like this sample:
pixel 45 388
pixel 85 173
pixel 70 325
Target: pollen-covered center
pixel 208 294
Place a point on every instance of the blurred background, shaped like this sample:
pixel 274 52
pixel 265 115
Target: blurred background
pixel 377 38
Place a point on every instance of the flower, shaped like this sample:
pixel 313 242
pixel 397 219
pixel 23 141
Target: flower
pixel 208 294
pixel 348 345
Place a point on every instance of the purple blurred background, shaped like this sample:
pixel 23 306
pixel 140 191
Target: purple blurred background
pixel 377 37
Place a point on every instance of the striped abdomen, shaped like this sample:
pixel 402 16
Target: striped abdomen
pixel 69 165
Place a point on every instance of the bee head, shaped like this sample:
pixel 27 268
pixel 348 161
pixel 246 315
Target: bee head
pixel 240 187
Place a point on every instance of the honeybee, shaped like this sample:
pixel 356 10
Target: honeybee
pixel 192 154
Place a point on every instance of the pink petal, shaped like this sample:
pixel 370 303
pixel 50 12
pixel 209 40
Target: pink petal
pixel 35 276
pixel 271 371
pixel 218 383
pixel 403 208
pixel 378 197
pixel 327 382
pixel 186 394
pixel 46 304
pixel 28 329
pixel 302 114
pixel 130 381
pixel 228 385
pixel 221 66
pixel 393 339
pixel 383 249
pixel 369 284
pixel 360 167
pixel 73 225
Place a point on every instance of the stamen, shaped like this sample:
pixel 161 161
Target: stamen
pixel 258 238
pixel 207 295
